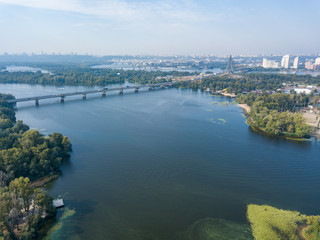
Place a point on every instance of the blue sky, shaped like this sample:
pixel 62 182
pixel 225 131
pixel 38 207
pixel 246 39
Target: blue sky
pixel 104 27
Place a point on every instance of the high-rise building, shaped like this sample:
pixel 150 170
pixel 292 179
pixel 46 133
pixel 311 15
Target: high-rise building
pixel 316 65
pixel 296 63
pixel 265 63
pixel 285 61
pixel 308 65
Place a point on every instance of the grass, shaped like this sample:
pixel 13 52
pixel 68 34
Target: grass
pixel 222 120
pixel 271 223
pixel 53 233
pixel 217 229
pixel 243 115
pixel 219 121
pixel 298 139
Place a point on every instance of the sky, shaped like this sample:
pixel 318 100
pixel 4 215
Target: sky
pixel 119 27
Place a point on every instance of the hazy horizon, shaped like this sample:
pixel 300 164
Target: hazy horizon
pixel 180 27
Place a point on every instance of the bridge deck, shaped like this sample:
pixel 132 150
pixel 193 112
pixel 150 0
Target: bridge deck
pixel 62 95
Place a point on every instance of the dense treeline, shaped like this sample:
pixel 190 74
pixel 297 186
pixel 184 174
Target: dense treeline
pixel 85 76
pixel 285 78
pixel 274 113
pixel 233 84
pixel 278 101
pixel 250 82
pixel 25 154
pixel 28 154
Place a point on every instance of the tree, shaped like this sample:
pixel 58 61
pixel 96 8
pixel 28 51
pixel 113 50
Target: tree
pixel 22 191
pixel 4 178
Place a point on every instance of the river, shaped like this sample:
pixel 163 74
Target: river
pixel 157 165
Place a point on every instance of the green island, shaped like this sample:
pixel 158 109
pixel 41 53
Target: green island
pixel 26 156
pixel 271 223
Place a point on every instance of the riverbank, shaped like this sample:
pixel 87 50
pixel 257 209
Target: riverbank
pixel 44 180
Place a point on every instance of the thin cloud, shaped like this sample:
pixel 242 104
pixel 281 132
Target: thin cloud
pixel 121 10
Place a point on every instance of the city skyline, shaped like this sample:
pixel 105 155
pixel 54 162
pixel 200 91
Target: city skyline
pixel 183 27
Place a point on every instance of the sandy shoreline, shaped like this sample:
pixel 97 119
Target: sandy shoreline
pixel 245 108
pixel 312 120
pixel 232 95
pixel 42 181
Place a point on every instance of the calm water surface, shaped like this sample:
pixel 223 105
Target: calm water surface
pixel 149 165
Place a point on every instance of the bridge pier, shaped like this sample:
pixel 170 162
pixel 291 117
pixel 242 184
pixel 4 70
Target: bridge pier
pixel 121 91
pixel 103 93
pixel 37 102
pixel 84 96
pixel 136 90
pixel 62 99
pixel 150 89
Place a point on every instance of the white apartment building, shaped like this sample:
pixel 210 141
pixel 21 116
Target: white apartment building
pixel 285 61
pixel 296 63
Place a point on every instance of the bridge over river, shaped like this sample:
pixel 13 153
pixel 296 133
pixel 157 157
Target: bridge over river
pixel 84 93
pixel 103 91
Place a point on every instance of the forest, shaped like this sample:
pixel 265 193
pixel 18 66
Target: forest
pixel 275 113
pixel 86 76
pixel 25 155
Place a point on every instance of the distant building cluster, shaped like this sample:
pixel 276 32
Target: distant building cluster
pixel 310 66
pixel 269 63
pixel 285 63
pixel 298 88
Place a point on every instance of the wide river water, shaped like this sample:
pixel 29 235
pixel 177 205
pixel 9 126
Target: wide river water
pixel 167 164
